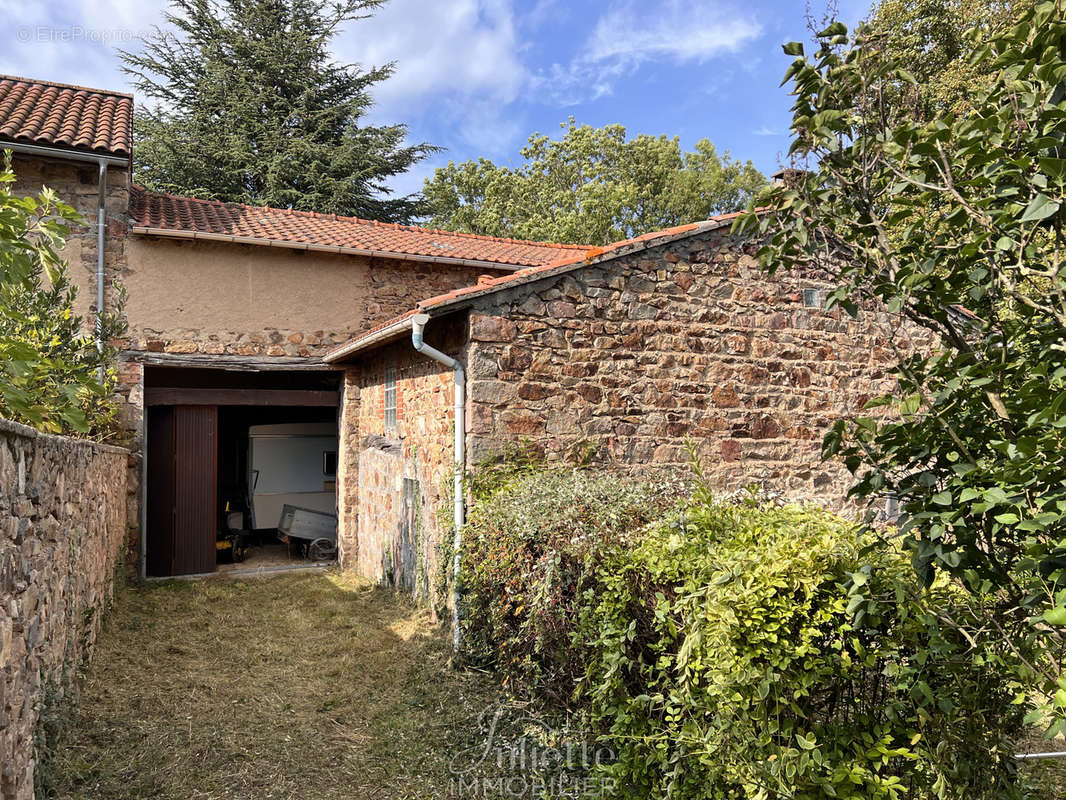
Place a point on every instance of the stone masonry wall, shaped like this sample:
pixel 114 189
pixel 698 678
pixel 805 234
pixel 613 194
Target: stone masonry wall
pixel 62 519
pixel 399 528
pixel 626 360
pixel 348 470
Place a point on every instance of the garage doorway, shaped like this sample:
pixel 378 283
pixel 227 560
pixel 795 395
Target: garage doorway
pixel 225 453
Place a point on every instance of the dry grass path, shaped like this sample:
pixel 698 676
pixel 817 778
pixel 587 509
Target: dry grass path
pixel 311 685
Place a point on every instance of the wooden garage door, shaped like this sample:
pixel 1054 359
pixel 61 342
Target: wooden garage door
pixel 182 484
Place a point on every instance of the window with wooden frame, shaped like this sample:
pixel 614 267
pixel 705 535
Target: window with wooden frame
pixel 390 398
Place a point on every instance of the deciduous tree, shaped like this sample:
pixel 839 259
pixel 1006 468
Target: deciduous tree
pixel 934 38
pixel 52 374
pixel 592 186
pixel 955 225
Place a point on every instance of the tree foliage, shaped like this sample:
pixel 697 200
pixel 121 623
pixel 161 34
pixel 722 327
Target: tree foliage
pixel 955 226
pixel 52 375
pixel 249 107
pixel 934 38
pixel 592 186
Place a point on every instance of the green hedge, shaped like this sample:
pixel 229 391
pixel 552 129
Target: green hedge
pixel 737 649
pixel 525 566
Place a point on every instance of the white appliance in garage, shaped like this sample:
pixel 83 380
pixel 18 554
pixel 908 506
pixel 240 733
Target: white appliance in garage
pixel 292 464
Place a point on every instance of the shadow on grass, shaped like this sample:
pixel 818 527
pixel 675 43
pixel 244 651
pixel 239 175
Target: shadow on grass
pixel 313 685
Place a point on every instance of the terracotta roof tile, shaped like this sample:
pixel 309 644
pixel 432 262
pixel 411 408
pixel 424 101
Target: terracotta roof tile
pixel 59 115
pixel 568 262
pixel 164 214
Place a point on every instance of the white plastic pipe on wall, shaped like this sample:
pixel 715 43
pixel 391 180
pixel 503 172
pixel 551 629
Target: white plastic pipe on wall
pixel 100 227
pixel 418 325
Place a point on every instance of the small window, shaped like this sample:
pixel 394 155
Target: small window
pixel 329 463
pixel 390 398
pixel 812 298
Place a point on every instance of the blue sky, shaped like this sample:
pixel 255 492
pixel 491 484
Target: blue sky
pixel 478 76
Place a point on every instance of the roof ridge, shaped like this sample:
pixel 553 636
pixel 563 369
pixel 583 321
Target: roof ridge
pixel 607 251
pixel 393 225
pixel 58 85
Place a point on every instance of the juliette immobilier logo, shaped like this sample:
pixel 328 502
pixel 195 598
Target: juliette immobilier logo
pixel 519 755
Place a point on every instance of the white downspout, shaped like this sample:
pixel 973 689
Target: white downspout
pixel 100 225
pixel 418 325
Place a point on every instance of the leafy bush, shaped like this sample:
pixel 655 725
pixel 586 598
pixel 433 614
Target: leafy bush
pixel 739 649
pixel 529 550
pixel 762 651
pixel 52 375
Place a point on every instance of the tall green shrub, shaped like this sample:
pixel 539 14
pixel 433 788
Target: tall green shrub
pixel 748 651
pixel 52 375
pixel 530 548
pixel 737 649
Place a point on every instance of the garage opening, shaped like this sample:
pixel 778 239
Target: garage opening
pixel 240 469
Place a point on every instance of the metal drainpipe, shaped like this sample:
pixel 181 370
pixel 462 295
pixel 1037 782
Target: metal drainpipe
pixel 100 224
pixel 418 325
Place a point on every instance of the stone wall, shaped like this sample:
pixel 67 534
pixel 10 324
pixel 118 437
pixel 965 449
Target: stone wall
pixel 62 520
pixel 404 484
pixel 625 361
pixel 348 470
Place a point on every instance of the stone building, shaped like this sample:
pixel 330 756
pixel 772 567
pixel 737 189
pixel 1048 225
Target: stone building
pixel 620 356
pixel 229 307
pixel 243 316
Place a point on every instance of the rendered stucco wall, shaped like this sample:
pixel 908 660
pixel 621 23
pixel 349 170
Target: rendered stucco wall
pixel 62 520
pixel 215 298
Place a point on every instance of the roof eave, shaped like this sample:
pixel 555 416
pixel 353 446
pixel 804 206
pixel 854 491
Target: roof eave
pixel 65 153
pixel 172 233
pixel 551 271
pixel 392 331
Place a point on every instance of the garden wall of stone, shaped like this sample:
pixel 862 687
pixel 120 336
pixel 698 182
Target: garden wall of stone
pixel 62 526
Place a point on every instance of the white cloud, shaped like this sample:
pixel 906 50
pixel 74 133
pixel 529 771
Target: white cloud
pixel 459 72
pixel 465 47
pixel 766 130
pixel 626 37
pixel 74 42
pixel 693 31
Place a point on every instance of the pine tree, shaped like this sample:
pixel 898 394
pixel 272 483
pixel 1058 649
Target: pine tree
pixel 249 107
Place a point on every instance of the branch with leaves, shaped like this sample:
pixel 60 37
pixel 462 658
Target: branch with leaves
pixel 954 221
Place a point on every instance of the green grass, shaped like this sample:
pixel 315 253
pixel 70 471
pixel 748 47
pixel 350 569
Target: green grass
pixel 312 685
